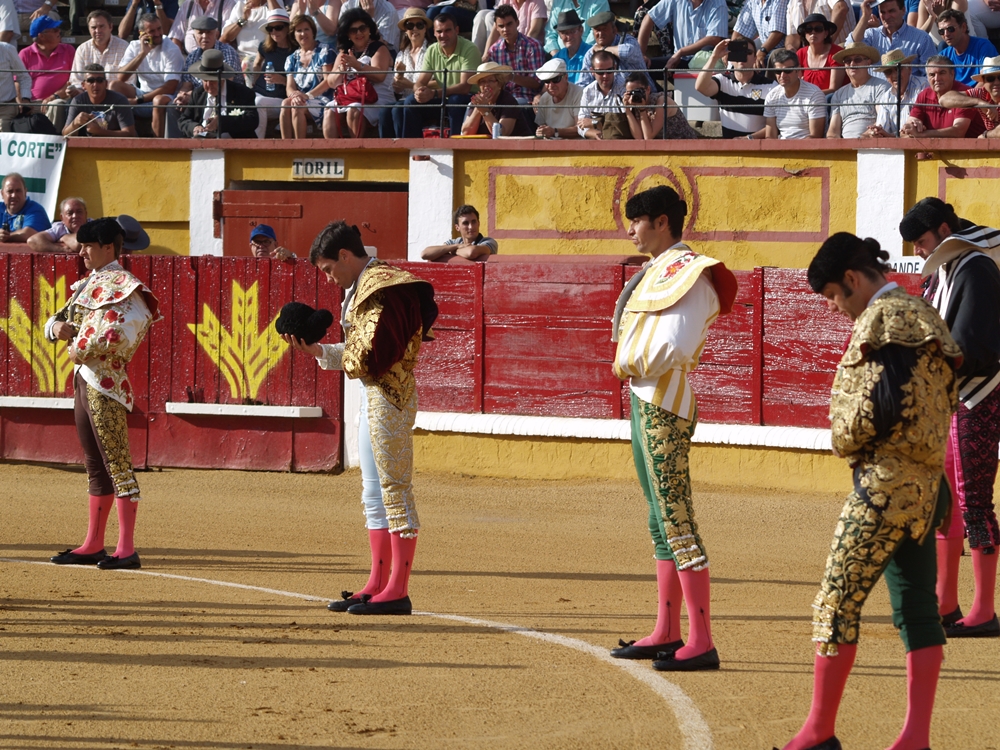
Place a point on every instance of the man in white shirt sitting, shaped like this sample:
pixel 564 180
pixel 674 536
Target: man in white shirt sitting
pixel 854 105
pixel 793 109
pixel 601 97
pixel 557 107
pixel 156 65
pixel 103 48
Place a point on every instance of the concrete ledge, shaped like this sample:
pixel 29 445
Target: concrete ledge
pixel 798 438
pixel 241 410
pixel 31 402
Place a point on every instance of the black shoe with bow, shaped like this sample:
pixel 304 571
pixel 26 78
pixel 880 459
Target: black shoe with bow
pixel 393 607
pixel 68 557
pixel 631 651
pixel 348 599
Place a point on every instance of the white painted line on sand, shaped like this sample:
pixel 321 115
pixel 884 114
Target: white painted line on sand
pixel 692 725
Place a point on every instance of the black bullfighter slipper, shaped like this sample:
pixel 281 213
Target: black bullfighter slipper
pixel 631 651
pixel 347 599
pixel 120 563
pixel 394 607
pixel 831 744
pixel 988 629
pixel 72 558
pixel 700 663
pixel 952 617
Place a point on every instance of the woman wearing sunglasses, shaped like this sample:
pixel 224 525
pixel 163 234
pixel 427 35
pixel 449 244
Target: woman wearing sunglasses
pixel 363 57
pixel 817 56
pixel 839 12
pixel 270 88
pixel 413 46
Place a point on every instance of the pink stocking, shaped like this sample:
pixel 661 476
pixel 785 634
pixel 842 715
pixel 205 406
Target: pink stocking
pixel 984 569
pixel 381 547
pixel 403 551
pixel 922 669
pixel 949 555
pixel 695 584
pixel 126 527
pixel 668 610
pixel 100 509
pixel 829 680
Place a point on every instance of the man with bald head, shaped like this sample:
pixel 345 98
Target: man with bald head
pixel 21 217
pixel 61 236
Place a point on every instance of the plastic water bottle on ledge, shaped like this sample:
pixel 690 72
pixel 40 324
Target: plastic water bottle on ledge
pixel 269 68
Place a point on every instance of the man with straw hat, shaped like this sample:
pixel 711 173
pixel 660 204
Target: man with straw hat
pixel 895 102
pixel 985 98
pixel 494 104
pixel 220 107
pixel 854 109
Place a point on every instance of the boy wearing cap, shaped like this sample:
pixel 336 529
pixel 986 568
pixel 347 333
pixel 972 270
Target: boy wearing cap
pixel 264 244
pixel 854 106
pixel 574 49
pixel 985 98
pixel 660 324
pixel 103 323
pixel 557 108
pixel 963 284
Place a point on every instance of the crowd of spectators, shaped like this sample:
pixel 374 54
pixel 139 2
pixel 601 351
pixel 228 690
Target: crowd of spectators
pixel 787 69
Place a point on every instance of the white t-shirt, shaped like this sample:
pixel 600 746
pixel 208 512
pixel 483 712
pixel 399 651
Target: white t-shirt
pixel 251 35
pixel 857 106
pixel 8 18
pixel 163 63
pixel 563 114
pixel 793 114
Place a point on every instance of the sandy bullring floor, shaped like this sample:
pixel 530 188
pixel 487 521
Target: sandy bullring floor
pixel 92 659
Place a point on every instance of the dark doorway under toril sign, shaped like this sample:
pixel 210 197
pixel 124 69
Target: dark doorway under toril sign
pixel 297 215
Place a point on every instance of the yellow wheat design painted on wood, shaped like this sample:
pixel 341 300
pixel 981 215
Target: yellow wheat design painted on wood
pixel 244 354
pixel 49 360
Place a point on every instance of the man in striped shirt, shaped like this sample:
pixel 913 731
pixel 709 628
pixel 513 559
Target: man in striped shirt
pixel 661 321
pixel 963 284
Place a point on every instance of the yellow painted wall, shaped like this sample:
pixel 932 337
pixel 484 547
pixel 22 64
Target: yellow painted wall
pixel 735 194
pixel 359 165
pixel 563 458
pixel 154 191
pixel 971 185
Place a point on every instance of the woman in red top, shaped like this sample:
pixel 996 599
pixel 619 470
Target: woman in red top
pixel 817 56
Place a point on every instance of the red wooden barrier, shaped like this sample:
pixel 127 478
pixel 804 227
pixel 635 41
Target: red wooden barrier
pixel 527 335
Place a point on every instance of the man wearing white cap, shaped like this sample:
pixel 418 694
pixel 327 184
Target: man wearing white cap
pixel 985 98
pixel 556 109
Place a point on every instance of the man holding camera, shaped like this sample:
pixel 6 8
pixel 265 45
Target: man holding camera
pixel 601 97
pixel 157 67
pixel 740 91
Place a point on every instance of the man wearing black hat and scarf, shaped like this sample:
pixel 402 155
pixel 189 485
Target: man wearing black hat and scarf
pixel 963 283
pixel 219 108
pixel 103 323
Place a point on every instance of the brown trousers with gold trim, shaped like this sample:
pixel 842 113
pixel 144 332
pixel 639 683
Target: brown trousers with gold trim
pixel 103 430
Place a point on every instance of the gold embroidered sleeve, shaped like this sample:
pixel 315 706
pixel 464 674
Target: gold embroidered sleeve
pixel 851 408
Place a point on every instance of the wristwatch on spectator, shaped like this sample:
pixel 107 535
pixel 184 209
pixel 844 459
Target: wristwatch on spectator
pixel 241 22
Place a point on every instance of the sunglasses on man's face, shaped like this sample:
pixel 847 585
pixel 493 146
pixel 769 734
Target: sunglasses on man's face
pixel 991 79
pixel 556 79
pixel 947 30
pixel 411 25
pixel 279 27
pixel 96 80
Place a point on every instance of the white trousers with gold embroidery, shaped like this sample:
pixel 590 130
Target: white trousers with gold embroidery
pixel 391 432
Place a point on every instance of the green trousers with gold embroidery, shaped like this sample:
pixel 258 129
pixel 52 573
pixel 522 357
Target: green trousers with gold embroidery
pixel 661 442
pixel 866 546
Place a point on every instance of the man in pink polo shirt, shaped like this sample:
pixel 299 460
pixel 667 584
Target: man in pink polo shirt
pixel 49 53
